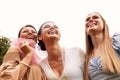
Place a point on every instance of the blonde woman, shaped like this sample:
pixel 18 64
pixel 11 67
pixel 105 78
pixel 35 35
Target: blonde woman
pixel 102 62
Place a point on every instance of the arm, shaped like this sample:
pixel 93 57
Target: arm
pixel 82 58
pixel 116 42
pixel 8 68
pixel 13 68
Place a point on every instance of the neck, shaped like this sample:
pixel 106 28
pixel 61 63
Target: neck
pixel 54 51
pixel 97 40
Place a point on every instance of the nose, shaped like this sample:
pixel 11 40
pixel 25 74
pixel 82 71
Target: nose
pixel 30 32
pixel 52 27
pixel 91 19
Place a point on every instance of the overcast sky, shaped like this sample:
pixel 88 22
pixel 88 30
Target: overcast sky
pixel 69 16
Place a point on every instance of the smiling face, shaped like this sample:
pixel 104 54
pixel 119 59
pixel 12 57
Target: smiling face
pixel 49 31
pixel 93 24
pixel 28 33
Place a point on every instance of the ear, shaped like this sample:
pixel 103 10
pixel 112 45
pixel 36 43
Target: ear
pixel 39 37
pixel 59 36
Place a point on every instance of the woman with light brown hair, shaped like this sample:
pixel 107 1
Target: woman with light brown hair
pixel 102 62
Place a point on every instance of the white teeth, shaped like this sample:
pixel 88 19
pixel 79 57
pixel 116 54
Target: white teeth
pixel 92 24
pixel 30 37
pixel 51 32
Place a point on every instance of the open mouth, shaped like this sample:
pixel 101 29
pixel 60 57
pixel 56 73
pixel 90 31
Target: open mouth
pixel 52 32
pixel 91 24
pixel 30 37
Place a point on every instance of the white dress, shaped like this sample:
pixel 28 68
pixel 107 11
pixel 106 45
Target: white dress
pixel 73 60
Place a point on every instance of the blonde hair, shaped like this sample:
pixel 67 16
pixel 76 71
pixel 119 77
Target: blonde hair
pixel 110 61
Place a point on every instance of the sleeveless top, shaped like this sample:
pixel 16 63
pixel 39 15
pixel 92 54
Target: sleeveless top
pixel 97 73
pixel 95 68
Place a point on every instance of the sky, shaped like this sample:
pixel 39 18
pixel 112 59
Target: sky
pixel 69 16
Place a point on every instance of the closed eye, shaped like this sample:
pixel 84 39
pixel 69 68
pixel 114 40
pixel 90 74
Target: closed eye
pixel 47 26
pixel 87 19
pixel 95 17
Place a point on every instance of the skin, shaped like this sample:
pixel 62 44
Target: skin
pixel 94 28
pixel 50 35
pixel 22 67
pixel 28 33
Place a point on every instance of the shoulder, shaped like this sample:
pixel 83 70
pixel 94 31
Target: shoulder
pixel 11 54
pixel 13 49
pixel 76 53
pixel 116 36
pixel 116 41
pixel 74 50
pixel 79 50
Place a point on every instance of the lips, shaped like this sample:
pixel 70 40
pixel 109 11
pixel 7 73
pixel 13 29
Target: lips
pixel 91 24
pixel 30 37
pixel 52 32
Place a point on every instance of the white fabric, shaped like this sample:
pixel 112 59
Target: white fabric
pixel 73 59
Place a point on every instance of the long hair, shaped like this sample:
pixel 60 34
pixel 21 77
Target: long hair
pixel 110 62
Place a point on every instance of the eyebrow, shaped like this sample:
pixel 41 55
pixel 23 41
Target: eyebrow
pixel 49 26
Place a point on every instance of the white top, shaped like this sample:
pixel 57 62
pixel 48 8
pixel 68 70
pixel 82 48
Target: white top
pixel 73 59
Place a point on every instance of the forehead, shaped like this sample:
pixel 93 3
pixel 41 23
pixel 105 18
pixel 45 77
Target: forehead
pixel 49 23
pixel 28 28
pixel 93 14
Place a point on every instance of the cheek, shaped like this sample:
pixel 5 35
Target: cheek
pixel 59 36
pixel 41 37
pixel 101 24
pixel 101 27
pixel 23 36
pixel 35 35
